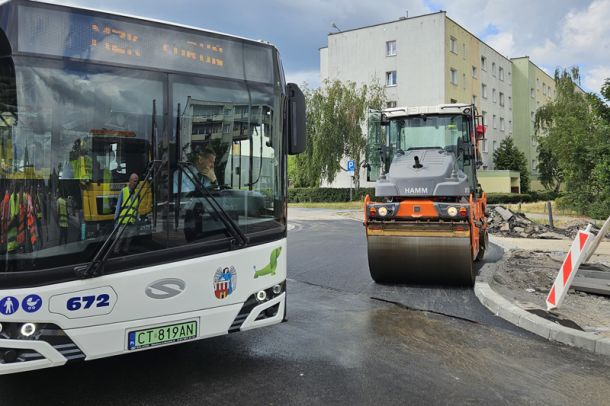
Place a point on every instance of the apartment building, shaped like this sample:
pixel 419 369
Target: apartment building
pixel 532 88
pixel 428 60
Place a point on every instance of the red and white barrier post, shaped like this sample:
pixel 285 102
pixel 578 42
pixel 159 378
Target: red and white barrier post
pixel 576 255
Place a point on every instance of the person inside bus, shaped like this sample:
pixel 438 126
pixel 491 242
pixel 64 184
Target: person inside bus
pixel 62 218
pixel 127 214
pixel 204 162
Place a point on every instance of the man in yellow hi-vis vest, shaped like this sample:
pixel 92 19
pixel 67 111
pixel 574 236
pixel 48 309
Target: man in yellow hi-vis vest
pixel 127 213
pixel 62 219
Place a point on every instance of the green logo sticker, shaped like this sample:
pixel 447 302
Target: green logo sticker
pixel 271 266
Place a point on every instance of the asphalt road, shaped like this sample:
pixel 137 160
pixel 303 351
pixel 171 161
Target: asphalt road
pixel 347 341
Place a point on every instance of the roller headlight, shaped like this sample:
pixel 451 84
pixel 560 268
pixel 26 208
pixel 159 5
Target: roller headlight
pixel 452 211
pixel 383 211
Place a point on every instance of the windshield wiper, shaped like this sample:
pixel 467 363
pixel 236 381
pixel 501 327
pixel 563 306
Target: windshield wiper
pixel 233 228
pixel 95 267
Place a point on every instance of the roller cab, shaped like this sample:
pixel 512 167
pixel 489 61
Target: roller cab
pixel 427 222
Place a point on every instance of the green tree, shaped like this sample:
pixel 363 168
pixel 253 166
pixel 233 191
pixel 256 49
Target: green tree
pixel 335 115
pixel 551 175
pixel 575 131
pixel 508 157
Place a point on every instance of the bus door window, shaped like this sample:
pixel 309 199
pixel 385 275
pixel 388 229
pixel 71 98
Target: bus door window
pixel 237 124
pixel 212 115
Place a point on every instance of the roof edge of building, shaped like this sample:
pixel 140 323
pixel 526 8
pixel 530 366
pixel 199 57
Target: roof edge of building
pixel 388 22
pixel 478 39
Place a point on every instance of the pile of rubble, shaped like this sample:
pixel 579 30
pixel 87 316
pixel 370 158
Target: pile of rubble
pixel 504 222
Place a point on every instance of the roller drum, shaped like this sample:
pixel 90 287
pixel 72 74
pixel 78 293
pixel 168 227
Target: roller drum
pixel 439 260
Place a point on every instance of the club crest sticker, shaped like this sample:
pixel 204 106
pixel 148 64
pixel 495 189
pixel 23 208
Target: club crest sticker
pixel 225 282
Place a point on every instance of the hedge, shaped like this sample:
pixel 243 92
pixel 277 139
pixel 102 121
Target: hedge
pixel 326 195
pixel 507 198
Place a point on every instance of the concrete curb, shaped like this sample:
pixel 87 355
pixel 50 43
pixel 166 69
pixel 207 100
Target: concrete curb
pixel 510 312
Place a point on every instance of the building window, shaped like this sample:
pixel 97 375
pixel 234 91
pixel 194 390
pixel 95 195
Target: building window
pixel 453 76
pixel 509 78
pixel 474 72
pixel 464 80
pixel 493 146
pixel 484 145
pixel 501 99
pixel 510 127
pixel 510 103
pixel 474 99
pixel 484 90
pixel 483 63
pixel 493 95
pixel 532 93
pixel 537 83
pixel 390 78
pixel 493 68
pixel 501 123
pixel 494 122
pixel 453 45
pixel 534 165
pixel 391 104
pixel 501 73
pixel 544 89
pixel 390 48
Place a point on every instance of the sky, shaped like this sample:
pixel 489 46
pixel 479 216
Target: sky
pixel 553 33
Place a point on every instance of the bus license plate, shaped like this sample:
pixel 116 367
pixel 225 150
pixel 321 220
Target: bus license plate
pixel 172 333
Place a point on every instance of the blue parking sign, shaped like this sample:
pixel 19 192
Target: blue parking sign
pixel 351 167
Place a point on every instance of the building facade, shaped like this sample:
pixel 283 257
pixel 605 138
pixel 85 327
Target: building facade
pixel 430 60
pixel 532 88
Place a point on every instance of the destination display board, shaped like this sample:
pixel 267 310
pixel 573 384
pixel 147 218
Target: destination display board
pixel 113 40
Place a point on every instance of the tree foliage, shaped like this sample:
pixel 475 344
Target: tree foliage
pixel 508 157
pixel 335 115
pixel 551 175
pixel 574 131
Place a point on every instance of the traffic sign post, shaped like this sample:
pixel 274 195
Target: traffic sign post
pixel 351 170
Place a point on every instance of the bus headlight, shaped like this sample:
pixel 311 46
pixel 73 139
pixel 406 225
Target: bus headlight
pixel 28 329
pixel 277 289
pixel 261 296
pixel 383 211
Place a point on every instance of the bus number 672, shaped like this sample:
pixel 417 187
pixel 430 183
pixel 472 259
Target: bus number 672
pixel 85 302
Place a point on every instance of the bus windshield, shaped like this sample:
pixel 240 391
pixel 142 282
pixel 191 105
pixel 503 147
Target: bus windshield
pixel 72 135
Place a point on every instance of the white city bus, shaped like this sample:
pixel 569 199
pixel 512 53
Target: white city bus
pixel 88 98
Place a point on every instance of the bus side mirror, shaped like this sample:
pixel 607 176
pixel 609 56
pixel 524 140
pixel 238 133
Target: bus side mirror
pixel 296 120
